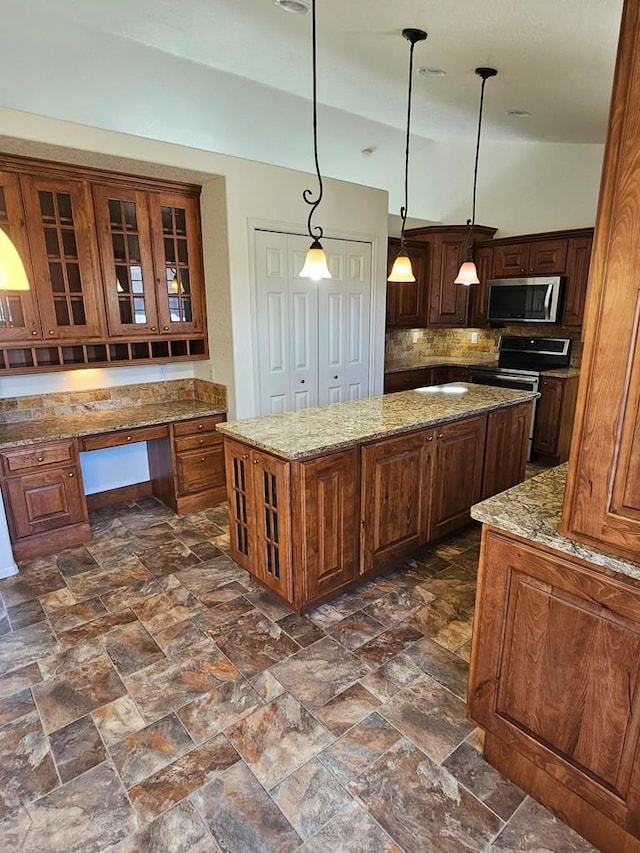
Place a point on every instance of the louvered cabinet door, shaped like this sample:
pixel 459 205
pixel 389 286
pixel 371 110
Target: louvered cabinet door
pixel 65 257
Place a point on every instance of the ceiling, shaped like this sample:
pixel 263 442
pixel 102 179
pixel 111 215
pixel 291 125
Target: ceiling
pixel 555 59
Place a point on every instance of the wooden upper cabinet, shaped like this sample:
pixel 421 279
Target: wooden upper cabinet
pixel 535 257
pixel 19 318
pixel 578 260
pixel 478 292
pixel 177 252
pixel 124 235
pixel 65 256
pixel 407 300
pixel 602 502
pixel 448 302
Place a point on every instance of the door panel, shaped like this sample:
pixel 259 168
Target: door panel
pixel 271 518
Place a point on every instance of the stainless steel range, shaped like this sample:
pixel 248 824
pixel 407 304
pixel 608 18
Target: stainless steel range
pixel 520 361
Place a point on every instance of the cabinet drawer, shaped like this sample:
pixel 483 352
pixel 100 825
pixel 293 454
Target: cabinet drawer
pixel 38 456
pixel 204 440
pixel 129 436
pixel 406 380
pixel 197 425
pixel 199 470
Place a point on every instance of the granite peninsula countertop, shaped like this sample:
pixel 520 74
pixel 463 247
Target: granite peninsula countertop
pixel 113 420
pixel 533 511
pixel 467 361
pixel 313 432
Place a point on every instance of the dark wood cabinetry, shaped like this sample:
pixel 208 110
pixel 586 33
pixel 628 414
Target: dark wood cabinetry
pixel 116 267
pixel 407 300
pixel 529 257
pixel 448 302
pixel 578 261
pixel 308 529
pixel 478 293
pixel 554 417
pixel 507 445
pixel 422 377
pixel 44 498
pixel 198 465
pixel 555 682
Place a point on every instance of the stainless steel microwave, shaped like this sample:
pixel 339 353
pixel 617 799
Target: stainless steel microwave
pixel 525 300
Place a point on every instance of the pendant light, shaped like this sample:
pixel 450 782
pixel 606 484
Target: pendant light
pixel 468 274
pixel 12 271
pixel 401 270
pixel 315 264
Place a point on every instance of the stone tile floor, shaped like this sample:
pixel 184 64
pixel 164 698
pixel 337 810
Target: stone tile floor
pixel 154 698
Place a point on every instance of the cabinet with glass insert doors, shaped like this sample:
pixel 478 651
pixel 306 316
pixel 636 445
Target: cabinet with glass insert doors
pixel 150 246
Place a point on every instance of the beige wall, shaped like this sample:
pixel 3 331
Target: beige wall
pixel 237 194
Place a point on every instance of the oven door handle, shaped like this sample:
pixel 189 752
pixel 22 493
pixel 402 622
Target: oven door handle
pixel 547 302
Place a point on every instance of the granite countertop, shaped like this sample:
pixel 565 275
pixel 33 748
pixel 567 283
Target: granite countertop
pixel 466 361
pixel 533 511
pixel 312 432
pixel 90 422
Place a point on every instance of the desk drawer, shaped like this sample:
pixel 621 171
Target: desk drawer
pixel 129 436
pixel 196 442
pixel 199 470
pixel 197 425
pixel 38 456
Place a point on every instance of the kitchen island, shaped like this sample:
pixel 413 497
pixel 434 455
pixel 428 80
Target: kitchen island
pixel 555 664
pixel 321 498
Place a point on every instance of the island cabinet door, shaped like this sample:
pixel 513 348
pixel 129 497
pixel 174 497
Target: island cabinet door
pixel 457 473
pixel 395 490
pixel 271 523
pixel 326 524
pixel 237 460
pixel 505 458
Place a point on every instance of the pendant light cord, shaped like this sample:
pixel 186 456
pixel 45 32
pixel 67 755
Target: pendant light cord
pixel 403 210
pixel 307 195
pixel 484 73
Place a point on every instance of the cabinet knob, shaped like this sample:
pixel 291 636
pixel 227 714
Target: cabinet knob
pixel 35 334
pixel 461 319
pixel 200 426
pixel 71 475
pixel 255 461
pixel 429 438
pixel 201 441
pixel 51 332
pixel 165 328
pixel 40 458
pixel 245 455
pixel 203 458
pixel 128 438
pixel 154 329
pixel 440 435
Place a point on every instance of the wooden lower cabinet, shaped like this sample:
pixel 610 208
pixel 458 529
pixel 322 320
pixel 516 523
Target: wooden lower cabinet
pixel 310 529
pixel 554 417
pixel 45 502
pixel 396 498
pixel 555 682
pixel 457 473
pixel 506 448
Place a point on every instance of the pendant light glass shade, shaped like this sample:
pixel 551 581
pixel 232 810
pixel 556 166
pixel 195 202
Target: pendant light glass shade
pixel 468 274
pixel 315 264
pixel 401 269
pixel 12 272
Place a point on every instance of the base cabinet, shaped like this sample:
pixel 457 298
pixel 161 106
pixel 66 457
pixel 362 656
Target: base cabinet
pixel 308 530
pixel 555 681
pixel 506 449
pixel 554 418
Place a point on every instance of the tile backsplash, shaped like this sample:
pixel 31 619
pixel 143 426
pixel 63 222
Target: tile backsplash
pixel 401 348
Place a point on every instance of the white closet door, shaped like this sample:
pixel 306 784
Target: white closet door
pixel 312 337
pixel 344 304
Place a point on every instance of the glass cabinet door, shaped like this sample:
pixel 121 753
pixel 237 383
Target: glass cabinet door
pixel 178 262
pixel 122 218
pixel 65 256
pixel 19 319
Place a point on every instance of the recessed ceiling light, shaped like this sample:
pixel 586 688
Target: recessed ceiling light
pixel 432 72
pixel 296 7
pixel 518 113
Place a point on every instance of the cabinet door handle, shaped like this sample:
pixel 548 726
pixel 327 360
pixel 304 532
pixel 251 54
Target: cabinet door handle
pixel 461 319
pixel 35 334
pixel 154 329
pixel 203 458
pixel 201 441
pixel 245 455
pixel 256 461
pixel 128 438
pixel 51 332
pixel 200 426
pixel 40 458
pixel 165 328
pixel 71 475
pixel 440 435
pixel 429 438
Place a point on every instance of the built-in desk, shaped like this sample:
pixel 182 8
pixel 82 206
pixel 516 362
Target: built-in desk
pixel 41 476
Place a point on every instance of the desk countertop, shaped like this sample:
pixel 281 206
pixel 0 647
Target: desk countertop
pixel 92 422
